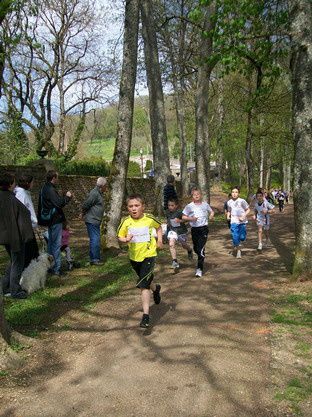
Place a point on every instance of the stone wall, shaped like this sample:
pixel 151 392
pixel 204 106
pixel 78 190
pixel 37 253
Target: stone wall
pixel 81 185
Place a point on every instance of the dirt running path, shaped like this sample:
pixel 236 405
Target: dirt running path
pixel 207 353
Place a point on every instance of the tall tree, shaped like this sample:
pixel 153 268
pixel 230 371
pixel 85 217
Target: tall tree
pixel 125 119
pixel 202 137
pixel 156 102
pixel 301 30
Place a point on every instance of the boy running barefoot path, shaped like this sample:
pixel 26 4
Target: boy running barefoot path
pixel 177 232
pixel 238 209
pixel 137 231
pixel 197 213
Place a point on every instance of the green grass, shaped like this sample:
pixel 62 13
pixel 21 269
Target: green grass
pixel 293 314
pixel 104 148
pixel 294 309
pixel 3 374
pixel 296 391
pixel 43 308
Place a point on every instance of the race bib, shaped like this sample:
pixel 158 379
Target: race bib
pixel 140 234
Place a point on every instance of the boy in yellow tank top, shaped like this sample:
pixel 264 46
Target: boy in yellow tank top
pixel 137 231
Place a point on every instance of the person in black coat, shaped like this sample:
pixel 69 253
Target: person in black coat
pixel 50 213
pixel 15 231
pixel 169 191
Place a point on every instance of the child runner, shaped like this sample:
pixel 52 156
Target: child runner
pixel 281 199
pixel 197 213
pixel 262 217
pixel 137 231
pixel 176 231
pixel 225 210
pixel 238 209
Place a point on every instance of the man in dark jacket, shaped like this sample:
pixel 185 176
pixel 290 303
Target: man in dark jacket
pixel 15 231
pixel 93 210
pixel 169 191
pixel 50 214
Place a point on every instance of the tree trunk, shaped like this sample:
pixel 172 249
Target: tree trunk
pixel 202 139
pixel 125 120
pixel 156 103
pixel 179 104
pixel 301 14
pixel 261 167
pixel 220 163
pixel 248 154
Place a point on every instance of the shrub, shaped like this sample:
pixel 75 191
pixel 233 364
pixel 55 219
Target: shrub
pixel 134 169
pixel 87 166
pixel 148 165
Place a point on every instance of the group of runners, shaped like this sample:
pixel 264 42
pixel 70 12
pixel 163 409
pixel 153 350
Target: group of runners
pixel 138 231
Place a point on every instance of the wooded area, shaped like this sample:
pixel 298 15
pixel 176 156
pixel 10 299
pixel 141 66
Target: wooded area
pixel 231 78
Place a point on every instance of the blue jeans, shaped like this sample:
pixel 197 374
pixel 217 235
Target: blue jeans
pixel 95 241
pixel 54 245
pixel 238 233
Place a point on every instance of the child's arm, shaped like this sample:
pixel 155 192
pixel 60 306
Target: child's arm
pixel 211 215
pixel 159 237
pixel 125 239
pixel 189 219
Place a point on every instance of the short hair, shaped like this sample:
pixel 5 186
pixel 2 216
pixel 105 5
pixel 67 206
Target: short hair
pixel 135 197
pixel 236 187
pixel 259 192
pixel 196 189
pixel 173 200
pixel 170 179
pixel 6 180
pixel 101 181
pixel 24 181
pixel 51 174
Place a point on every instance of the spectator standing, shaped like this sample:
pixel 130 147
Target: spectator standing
pixel 92 211
pixel 15 230
pixel 22 193
pixel 50 213
pixel 169 191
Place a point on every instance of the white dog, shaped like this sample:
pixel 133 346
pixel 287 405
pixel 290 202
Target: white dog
pixel 35 275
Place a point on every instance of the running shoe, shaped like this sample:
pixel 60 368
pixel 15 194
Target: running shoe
pixel 175 265
pixel 145 321
pixel 198 273
pixel 239 254
pixel 260 246
pixel 156 294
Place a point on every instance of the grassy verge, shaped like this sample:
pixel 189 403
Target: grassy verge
pixel 79 290
pixel 292 317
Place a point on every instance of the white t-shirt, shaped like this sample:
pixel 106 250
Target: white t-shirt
pixel 201 211
pixel 262 217
pixel 24 197
pixel 237 209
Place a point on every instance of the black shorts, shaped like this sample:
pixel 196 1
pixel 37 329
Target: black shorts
pixel 144 272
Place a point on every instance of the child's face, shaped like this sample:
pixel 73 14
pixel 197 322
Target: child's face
pixel 197 197
pixel 260 198
pixel 135 208
pixel 172 206
pixel 235 193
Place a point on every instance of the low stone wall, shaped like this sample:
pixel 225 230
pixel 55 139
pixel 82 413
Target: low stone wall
pixel 80 186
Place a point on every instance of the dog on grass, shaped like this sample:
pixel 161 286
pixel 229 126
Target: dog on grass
pixel 35 275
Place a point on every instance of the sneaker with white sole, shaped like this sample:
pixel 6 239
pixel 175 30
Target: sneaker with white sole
pixel 198 273
pixel 239 254
pixel 260 246
pixel 175 265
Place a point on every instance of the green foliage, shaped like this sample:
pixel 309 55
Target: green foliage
pixel 148 165
pixel 90 166
pixel 134 169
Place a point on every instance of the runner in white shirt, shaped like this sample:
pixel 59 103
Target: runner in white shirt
pixel 197 213
pixel 262 217
pixel 238 209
